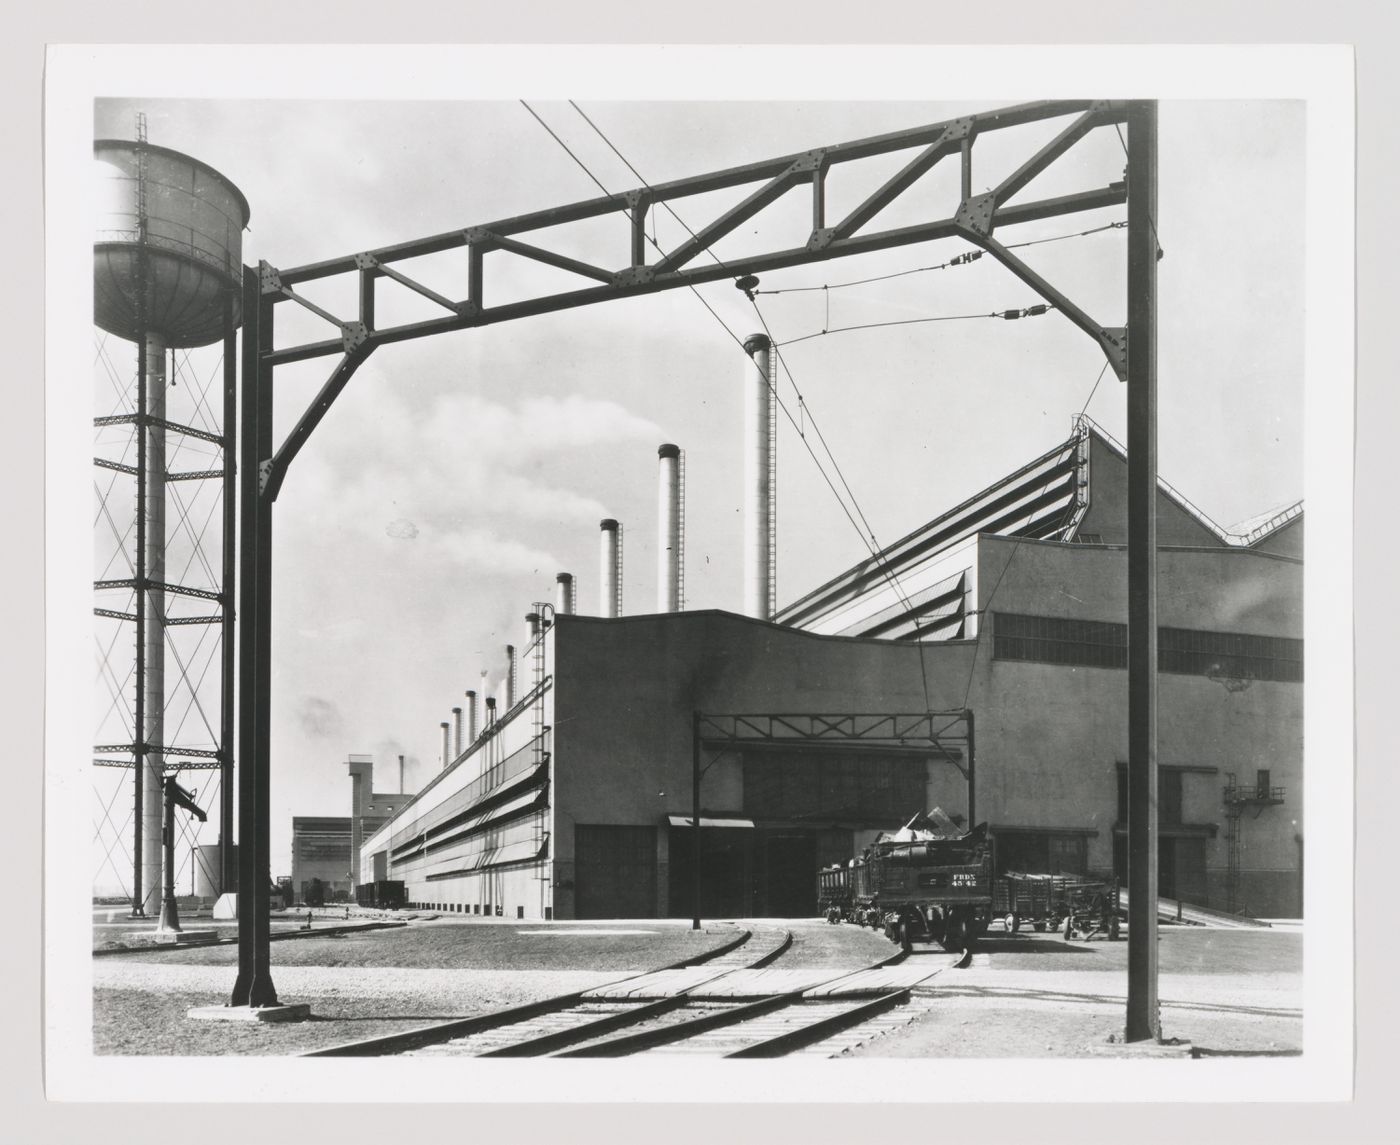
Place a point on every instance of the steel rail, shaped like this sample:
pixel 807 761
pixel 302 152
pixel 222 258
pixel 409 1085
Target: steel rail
pixel 460 1027
pixel 555 1042
pixel 805 1035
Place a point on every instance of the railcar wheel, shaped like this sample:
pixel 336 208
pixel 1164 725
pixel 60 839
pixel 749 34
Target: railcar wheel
pixel 954 936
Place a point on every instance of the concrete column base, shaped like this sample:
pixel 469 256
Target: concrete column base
pixel 1121 1049
pixel 186 937
pixel 296 1012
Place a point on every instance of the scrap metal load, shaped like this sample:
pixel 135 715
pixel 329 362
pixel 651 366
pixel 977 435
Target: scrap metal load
pixel 930 881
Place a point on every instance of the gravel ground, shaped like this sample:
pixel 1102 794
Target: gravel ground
pixel 374 982
pixel 1221 990
pixel 1038 996
pixel 141 1008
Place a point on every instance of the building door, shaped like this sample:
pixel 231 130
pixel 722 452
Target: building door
pixel 614 872
pixel 792 876
pixel 1181 869
pixel 725 867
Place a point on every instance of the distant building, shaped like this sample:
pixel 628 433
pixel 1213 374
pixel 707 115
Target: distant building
pixel 320 850
pixel 328 848
pixel 577 802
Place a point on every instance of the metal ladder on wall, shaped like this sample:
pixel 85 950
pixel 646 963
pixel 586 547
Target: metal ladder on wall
pixel 680 533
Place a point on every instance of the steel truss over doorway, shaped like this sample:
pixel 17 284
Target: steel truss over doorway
pixel 946 736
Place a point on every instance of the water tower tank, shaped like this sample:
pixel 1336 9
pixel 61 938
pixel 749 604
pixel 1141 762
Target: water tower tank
pixel 194 220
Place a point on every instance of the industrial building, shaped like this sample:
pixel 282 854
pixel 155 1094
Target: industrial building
pixel 328 847
pixel 983 656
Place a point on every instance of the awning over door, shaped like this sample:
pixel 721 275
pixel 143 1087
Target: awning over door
pixel 687 821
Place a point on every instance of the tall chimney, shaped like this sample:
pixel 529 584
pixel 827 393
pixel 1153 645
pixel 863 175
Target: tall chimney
pixel 564 594
pixel 456 732
pixel 758 479
pixel 400 775
pixel 533 620
pixel 668 529
pixel 446 759
pixel 510 676
pixel 610 570
pixel 490 711
pixel 471 716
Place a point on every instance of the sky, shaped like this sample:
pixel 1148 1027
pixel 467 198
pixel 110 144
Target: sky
pixel 458 474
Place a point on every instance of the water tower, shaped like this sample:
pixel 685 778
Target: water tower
pixel 167 275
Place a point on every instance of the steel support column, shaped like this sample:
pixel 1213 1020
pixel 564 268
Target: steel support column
pixel 1143 1019
pixel 695 820
pixel 253 986
pixel 138 731
pixel 971 770
pixel 228 871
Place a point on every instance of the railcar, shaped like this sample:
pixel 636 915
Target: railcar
pixel 917 886
pixel 1069 903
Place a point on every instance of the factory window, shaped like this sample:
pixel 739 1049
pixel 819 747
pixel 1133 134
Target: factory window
pixel 796 786
pixel 1051 640
pixel 1181 651
pixel 1229 654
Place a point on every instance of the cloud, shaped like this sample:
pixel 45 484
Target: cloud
pixel 319 717
pixel 483 549
pixel 472 481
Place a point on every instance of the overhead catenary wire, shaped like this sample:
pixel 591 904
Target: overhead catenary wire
pixel 957 260
pixel 867 535
pixel 736 339
pixel 1007 315
pixel 804 408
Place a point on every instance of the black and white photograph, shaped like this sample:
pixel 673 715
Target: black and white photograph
pixel 699 554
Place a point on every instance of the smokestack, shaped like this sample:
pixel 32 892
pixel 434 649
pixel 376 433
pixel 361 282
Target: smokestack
pixel 446 759
pixel 668 529
pixel 456 732
pixel 471 716
pixel 533 620
pixel 400 775
pixel 564 594
pixel 758 479
pixel 510 676
pixel 610 571
pixel 490 711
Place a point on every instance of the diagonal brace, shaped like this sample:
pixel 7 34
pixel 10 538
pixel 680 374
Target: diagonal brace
pixel 1101 112
pixel 1111 340
pixel 769 193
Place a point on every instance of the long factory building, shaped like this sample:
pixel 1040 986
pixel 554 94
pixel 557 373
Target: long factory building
pixel 988 644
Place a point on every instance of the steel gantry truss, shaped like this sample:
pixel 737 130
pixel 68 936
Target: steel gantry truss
pixel 975 218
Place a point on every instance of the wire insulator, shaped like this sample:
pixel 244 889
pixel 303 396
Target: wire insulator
pixel 965 257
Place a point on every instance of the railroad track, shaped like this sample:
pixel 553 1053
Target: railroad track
pixel 728 1006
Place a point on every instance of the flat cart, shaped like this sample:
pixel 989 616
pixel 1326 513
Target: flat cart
pixel 1071 904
